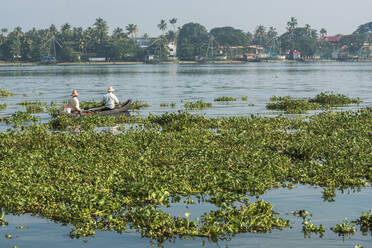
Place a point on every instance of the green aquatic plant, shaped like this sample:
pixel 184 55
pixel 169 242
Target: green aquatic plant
pixel 198 105
pixel 329 98
pixel 3 221
pixel 280 98
pixel 301 213
pixel 5 93
pixel 344 228
pixel 32 103
pixel 3 106
pixel 20 116
pixel 168 104
pixel 224 99
pixel 308 228
pixel 102 181
pixel 34 109
pixel 365 221
pixel 138 105
pixel 293 106
pixel 90 104
pixel 244 98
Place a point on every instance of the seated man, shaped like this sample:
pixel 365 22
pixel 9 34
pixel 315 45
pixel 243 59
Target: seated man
pixel 109 100
pixel 73 103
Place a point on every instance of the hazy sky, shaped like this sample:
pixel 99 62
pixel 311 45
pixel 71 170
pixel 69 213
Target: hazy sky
pixel 336 16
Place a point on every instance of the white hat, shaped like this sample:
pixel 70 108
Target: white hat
pixel 110 89
pixel 75 93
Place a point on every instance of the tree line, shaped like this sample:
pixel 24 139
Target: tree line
pixel 71 44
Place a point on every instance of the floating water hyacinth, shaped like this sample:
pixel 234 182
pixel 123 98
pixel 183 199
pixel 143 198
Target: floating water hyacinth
pixel 105 181
pixel 5 93
pixel 224 99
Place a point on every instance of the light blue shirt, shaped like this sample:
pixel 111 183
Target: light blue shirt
pixel 109 100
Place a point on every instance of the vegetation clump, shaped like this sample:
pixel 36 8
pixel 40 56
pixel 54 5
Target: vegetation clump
pixel 3 221
pixel 5 93
pixel 365 221
pixel 344 228
pixel 308 228
pixel 332 99
pixel 293 106
pixel 31 103
pixel 138 105
pixel 225 99
pixel 20 116
pixel 3 106
pixel 90 104
pixel 168 104
pixel 198 105
pixel 244 98
pixel 301 106
pixel 94 186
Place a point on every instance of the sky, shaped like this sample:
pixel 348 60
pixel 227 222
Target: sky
pixel 336 16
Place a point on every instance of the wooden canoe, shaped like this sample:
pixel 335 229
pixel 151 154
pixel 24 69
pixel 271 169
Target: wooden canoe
pixel 118 110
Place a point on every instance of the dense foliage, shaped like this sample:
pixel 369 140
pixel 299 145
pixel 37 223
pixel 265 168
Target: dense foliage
pixel 75 44
pixel 80 179
pixel 192 41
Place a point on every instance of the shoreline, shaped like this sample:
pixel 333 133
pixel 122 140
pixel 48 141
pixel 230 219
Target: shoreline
pixel 3 64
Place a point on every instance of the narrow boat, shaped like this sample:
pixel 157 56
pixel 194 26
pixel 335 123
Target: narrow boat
pixel 119 110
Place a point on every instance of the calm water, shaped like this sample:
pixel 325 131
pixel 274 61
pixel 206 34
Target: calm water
pixel 155 84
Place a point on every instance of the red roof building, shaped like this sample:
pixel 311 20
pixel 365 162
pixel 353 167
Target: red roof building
pixel 332 38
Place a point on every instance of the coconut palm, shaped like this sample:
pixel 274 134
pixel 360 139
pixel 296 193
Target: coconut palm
pixel 291 26
pixel 323 33
pixel 146 36
pixel 132 30
pixel 272 33
pixel 162 25
pixel 118 32
pixel 173 21
pixel 260 33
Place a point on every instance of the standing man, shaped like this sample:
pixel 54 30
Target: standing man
pixel 109 100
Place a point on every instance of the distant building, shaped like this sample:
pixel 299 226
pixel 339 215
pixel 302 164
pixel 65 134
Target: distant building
pixel 332 39
pixel 97 59
pixel 143 43
pixel 172 48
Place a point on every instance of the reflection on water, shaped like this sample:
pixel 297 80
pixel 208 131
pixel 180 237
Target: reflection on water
pixel 155 84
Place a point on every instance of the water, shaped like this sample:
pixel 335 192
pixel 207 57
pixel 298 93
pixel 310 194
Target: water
pixel 155 84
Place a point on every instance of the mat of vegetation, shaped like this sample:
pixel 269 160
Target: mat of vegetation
pixel 101 181
pixel 323 100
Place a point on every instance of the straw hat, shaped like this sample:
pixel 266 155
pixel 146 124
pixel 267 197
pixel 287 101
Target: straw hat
pixel 110 89
pixel 75 93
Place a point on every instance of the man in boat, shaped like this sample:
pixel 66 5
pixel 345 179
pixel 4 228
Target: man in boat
pixel 109 100
pixel 73 103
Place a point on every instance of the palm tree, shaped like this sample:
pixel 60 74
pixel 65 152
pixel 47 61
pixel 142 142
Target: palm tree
pixel 146 36
pixel 171 36
pixel 100 30
pixel 309 31
pixel 260 33
pixel 4 31
pixel 173 21
pixel 323 33
pixel 132 30
pixel 291 26
pixel 118 32
pixel 272 33
pixel 162 25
